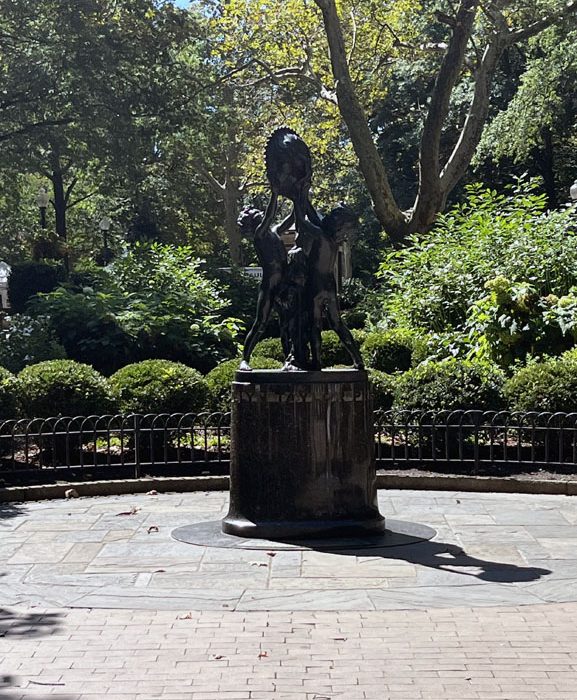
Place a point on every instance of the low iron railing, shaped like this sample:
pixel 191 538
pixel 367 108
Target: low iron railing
pixel 475 442
pixel 91 447
pixel 120 446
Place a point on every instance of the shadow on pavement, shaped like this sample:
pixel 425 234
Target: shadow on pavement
pixel 11 510
pixel 447 557
pixel 22 624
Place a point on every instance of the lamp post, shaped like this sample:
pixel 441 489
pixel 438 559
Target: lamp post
pixel 104 226
pixel 42 200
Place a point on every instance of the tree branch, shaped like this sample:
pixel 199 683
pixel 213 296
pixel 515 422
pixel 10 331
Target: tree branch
pixel 209 178
pixel 388 213
pixel 543 23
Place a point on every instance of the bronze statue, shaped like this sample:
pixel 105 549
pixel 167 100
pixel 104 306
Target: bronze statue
pixel 301 286
pixel 272 256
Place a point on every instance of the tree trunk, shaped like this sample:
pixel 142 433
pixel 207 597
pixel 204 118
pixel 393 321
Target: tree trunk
pixel 232 231
pixel 60 204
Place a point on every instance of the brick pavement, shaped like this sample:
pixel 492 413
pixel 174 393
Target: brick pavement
pixel 512 653
pixel 95 604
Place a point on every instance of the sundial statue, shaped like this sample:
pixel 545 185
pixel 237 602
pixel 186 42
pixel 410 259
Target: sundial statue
pixel 302 444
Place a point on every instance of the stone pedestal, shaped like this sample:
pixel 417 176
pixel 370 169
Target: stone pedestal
pixel 302 456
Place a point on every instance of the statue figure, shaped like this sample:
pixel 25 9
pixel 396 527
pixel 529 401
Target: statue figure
pixel 272 257
pixel 301 285
pixel 321 286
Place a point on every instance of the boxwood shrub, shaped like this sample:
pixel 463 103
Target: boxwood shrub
pixel 382 388
pixel 449 385
pixel 394 350
pixel 220 378
pixel 159 386
pixel 64 387
pixel 544 386
pixel 9 400
pixel 269 347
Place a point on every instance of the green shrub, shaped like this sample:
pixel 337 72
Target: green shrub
pixel 9 395
pixel 383 389
pixel 391 350
pixel 220 378
pixel 31 278
pixel 333 352
pixel 449 385
pixel 432 282
pixel 26 341
pixel 64 387
pixel 270 347
pixel 544 386
pixel 159 386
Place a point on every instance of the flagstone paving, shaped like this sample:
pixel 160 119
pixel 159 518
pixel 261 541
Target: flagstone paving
pixel 97 600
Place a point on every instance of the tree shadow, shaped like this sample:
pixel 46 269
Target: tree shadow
pixel 10 689
pixel 11 510
pixel 23 624
pixel 442 556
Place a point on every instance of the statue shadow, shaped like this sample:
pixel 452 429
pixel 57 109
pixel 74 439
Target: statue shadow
pixel 442 556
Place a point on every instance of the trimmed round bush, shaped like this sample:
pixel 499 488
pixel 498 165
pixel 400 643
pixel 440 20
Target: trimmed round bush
pixel 333 352
pixel 63 387
pixel 269 347
pixel 449 385
pixel 392 350
pixel 544 386
pixel 220 378
pixel 159 386
pixel 9 403
pixel 382 388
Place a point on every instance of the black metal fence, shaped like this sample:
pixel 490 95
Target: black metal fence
pixel 83 448
pixel 122 446
pixel 477 442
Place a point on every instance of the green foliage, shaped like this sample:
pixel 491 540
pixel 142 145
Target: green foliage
pixel 31 278
pixel 87 325
pixel 270 347
pixel 64 387
pixel 9 395
pixel 333 352
pixel 220 378
pixel 170 307
pixel 25 341
pixel 392 350
pixel 513 322
pixel 155 302
pixel 449 385
pixel 544 386
pixel 432 283
pixel 159 386
pixel 383 389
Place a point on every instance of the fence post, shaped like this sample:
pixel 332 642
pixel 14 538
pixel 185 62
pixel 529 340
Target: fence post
pixel 137 419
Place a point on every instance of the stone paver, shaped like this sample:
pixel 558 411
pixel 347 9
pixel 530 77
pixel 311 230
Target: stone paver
pixel 97 601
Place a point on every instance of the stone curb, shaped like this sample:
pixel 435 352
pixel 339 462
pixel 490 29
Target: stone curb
pixel 483 484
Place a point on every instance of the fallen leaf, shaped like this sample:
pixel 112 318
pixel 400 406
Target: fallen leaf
pixel 340 639
pixel 188 616
pixel 159 571
pixel 133 511
pixel 152 493
pixel 271 554
pixel 263 655
pixel 258 563
pixel 152 528
pixel 217 657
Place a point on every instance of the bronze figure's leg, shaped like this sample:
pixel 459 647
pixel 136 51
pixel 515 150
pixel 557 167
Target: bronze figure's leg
pixel 344 333
pixel 263 311
pixel 317 324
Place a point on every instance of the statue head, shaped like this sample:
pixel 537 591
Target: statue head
pixel 249 220
pixel 340 222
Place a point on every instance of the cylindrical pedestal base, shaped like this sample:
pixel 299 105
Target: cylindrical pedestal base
pixel 302 456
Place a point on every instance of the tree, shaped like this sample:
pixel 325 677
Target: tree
pixel 478 36
pixel 91 86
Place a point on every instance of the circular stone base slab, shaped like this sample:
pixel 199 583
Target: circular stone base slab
pixel 398 533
